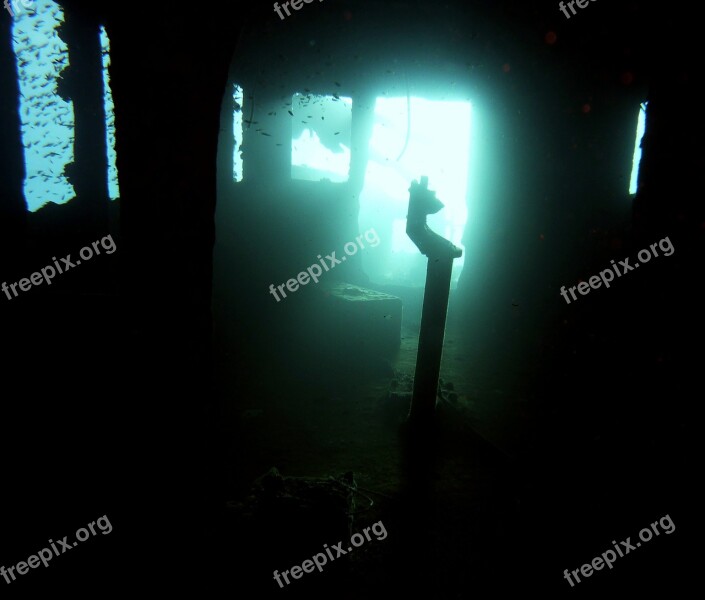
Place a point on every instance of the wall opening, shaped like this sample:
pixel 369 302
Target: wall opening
pixel 636 160
pixel 47 120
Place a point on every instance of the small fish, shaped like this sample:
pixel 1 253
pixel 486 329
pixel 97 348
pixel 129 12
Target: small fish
pixel 291 113
pixel 267 134
pixel 336 83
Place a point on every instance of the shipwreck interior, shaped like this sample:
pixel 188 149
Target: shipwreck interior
pixel 231 380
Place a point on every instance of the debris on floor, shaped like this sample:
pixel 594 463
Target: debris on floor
pixel 397 401
pixel 330 503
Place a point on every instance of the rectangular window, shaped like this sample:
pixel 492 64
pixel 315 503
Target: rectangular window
pixel 320 137
pixel 412 137
pixel 47 119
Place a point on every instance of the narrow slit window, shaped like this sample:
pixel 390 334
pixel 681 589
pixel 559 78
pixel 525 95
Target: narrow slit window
pixel 237 132
pixel 640 128
pixel 113 186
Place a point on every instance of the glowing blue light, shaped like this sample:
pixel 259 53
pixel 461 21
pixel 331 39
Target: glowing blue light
pixel 47 120
pixel 439 143
pixel 640 128
pixel 325 117
pixel 237 132
pixel 113 186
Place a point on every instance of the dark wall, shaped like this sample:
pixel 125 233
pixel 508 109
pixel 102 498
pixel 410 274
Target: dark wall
pixel 116 354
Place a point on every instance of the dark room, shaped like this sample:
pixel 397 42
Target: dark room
pixel 344 299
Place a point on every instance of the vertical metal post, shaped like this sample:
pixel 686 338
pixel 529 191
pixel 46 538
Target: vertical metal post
pixel 430 351
pixel 441 253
